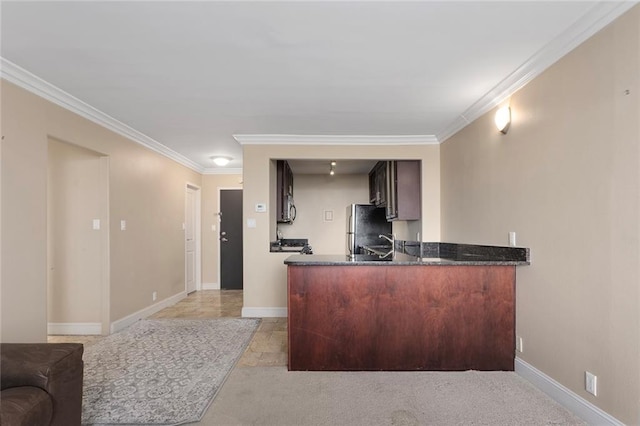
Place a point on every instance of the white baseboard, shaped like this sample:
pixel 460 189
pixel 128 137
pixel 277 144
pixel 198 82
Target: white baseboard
pixel 264 312
pixel 149 310
pixel 564 396
pixel 211 286
pixel 74 328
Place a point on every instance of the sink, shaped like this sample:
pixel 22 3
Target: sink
pixel 379 250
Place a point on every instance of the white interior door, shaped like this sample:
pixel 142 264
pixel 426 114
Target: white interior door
pixel 190 240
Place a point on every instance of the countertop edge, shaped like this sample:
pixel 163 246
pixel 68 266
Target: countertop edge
pixel 433 254
pixel 296 261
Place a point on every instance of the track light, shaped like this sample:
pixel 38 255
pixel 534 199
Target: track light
pixel 332 168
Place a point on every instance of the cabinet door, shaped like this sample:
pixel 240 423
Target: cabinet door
pixel 289 179
pixel 408 190
pixel 377 184
pixel 373 188
pixel 284 188
pixel 391 186
pixel 280 190
pixel 285 212
pixel 381 184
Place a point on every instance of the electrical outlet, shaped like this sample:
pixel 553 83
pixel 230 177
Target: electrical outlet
pixel 591 383
pixel 154 295
pixel 519 344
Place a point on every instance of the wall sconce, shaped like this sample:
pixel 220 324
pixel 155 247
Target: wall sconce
pixel 332 169
pixel 503 119
pixel 221 160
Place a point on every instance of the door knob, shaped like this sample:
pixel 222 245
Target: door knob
pixel 223 233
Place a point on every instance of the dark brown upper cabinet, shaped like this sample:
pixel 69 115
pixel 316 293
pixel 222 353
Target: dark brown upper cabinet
pixel 378 184
pixel 285 208
pixel 396 186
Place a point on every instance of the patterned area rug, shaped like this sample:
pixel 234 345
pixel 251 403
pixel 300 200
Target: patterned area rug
pixel 162 372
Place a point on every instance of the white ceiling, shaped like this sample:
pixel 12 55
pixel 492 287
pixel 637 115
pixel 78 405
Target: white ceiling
pixel 185 77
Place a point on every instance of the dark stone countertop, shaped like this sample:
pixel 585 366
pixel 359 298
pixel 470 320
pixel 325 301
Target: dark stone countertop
pixel 407 253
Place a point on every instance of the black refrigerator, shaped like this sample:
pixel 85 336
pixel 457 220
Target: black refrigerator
pixel 365 222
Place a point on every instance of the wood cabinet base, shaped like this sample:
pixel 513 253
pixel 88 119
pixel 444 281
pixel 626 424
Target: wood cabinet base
pixel 401 317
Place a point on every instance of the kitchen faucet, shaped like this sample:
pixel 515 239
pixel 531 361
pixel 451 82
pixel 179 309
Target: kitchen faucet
pixel 392 240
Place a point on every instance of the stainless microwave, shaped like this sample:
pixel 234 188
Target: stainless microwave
pixel 288 210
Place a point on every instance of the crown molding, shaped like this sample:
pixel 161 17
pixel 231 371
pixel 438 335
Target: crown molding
pixel 34 84
pixel 335 139
pixel 215 171
pixel 599 16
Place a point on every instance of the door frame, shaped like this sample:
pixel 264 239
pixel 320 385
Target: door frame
pixel 105 169
pixel 225 188
pixel 103 327
pixel 197 236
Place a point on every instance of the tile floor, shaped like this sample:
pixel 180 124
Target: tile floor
pixel 267 348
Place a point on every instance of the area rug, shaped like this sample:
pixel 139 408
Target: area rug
pixel 162 372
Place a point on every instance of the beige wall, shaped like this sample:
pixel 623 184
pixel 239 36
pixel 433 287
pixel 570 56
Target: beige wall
pixel 145 189
pixel 316 193
pixel 566 179
pixel 76 196
pixel 265 273
pixel 211 185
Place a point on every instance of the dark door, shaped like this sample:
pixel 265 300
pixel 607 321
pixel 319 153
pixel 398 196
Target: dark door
pixel 231 239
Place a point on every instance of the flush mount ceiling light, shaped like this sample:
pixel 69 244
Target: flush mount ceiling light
pixel 503 119
pixel 332 169
pixel 221 160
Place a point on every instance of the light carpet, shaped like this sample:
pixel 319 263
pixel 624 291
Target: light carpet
pixel 274 396
pixel 161 372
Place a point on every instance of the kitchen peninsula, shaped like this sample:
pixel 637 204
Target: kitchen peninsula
pixel 440 306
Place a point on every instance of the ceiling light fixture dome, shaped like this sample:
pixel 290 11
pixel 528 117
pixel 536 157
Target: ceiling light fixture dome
pixel 221 160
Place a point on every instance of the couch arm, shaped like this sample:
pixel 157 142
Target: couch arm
pixel 55 367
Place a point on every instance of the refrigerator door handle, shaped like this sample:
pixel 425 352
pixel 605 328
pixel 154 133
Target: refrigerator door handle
pixel 351 239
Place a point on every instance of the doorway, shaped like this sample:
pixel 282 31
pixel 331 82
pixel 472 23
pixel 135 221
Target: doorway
pixel 192 239
pixel 77 240
pixel 230 239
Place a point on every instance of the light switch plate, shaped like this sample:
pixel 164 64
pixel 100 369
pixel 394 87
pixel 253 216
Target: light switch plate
pixel 328 215
pixel 261 208
pixel 251 223
pixel 591 383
